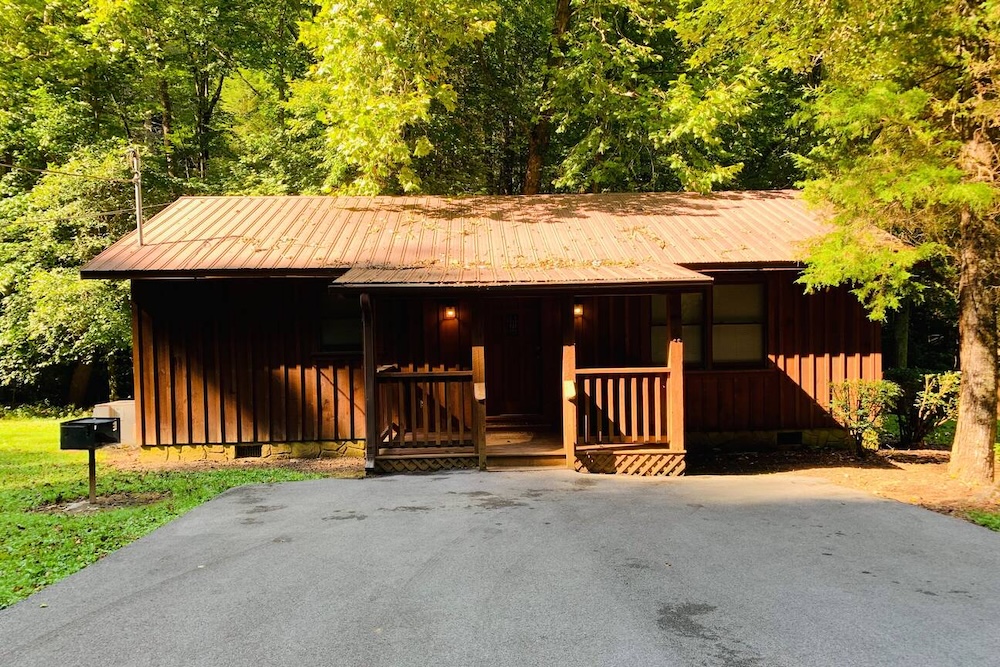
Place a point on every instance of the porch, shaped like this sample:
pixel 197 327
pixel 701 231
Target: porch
pixel 592 383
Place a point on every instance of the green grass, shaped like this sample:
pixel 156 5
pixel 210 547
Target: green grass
pixel 37 548
pixel 989 519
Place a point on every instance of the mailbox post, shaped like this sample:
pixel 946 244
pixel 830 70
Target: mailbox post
pixel 90 433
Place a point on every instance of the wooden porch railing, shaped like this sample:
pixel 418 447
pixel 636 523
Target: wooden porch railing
pixel 422 410
pixel 624 406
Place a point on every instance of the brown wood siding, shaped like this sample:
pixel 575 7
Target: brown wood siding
pixel 812 340
pixel 613 331
pixel 237 361
pixel 413 335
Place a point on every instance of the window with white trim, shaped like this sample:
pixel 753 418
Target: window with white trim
pixel 738 312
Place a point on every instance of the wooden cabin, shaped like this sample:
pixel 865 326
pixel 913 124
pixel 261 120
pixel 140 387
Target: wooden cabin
pixel 607 333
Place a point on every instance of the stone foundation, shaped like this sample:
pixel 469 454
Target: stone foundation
pixel 268 451
pixel 737 441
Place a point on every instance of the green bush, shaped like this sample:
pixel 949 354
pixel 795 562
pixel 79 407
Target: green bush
pixel 43 410
pixel 859 405
pixel 928 400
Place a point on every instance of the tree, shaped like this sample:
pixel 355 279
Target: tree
pixel 905 106
pixel 200 87
pixel 176 58
pixel 380 67
pixel 590 95
pixel 49 318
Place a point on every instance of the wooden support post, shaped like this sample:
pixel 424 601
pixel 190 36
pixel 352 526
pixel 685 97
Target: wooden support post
pixel 92 474
pixel 371 388
pixel 479 383
pixel 675 361
pixel 139 427
pixel 569 416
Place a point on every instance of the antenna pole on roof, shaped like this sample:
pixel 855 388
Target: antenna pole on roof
pixel 136 163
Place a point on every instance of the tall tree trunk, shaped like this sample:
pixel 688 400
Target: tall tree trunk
pixel 112 363
pixel 903 336
pixel 78 384
pixel 538 143
pixel 168 121
pixel 975 433
pixel 206 103
pixel 538 138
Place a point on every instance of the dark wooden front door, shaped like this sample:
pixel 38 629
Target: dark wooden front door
pixel 514 363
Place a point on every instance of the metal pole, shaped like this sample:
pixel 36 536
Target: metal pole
pixel 137 182
pixel 93 476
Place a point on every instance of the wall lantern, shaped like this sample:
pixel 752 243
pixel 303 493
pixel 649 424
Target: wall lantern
pixel 450 312
pixel 577 310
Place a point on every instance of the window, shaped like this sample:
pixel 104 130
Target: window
pixel 736 313
pixel 340 328
pixel 737 324
pixel 692 316
pixel 692 327
pixel 658 330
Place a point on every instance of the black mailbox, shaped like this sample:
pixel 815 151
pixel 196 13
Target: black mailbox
pixel 89 432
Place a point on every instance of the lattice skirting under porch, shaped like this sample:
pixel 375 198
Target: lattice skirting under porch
pixel 429 464
pixel 631 463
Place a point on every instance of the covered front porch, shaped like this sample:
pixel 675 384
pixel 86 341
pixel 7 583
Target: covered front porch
pixel 589 381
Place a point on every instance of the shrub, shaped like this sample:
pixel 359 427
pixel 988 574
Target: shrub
pixel 928 400
pixel 858 406
pixel 43 410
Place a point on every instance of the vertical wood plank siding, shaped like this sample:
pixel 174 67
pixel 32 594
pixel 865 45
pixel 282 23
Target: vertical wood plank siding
pixel 237 361
pixel 811 341
pixel 414 336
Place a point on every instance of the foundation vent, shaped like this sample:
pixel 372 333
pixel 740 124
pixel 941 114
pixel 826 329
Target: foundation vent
pixel 789 438
pixel 248 451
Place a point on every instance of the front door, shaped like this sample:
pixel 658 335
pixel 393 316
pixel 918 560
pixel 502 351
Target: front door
pixel 514 363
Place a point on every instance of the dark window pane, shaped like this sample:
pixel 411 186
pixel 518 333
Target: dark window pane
pixel 341 329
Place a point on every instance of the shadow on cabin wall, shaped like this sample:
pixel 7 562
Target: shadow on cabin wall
pixel 240 361
pixel 811 341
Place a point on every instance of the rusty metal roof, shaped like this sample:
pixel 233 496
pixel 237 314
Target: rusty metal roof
pixel 543 239
pixel 430 276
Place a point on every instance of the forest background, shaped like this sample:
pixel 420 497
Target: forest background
pixel 888 115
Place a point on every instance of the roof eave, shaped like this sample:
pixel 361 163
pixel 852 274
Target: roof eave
pixel 209 274
pixel 575 287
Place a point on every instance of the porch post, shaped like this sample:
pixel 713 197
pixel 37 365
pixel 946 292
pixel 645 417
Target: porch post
pixel 569 415
pixel 478 383
pixel 371 389
pixel 675 361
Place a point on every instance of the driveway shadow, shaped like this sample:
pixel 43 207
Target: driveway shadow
pixel 717 462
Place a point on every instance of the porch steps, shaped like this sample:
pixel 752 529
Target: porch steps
pixel 524 461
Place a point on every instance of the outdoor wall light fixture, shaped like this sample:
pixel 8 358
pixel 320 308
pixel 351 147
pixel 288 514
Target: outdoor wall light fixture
pixel 450 313
pixel 577 310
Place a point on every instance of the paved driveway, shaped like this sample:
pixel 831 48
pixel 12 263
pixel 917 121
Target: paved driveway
pixel 536 568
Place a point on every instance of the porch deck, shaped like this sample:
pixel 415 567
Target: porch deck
pixel 624 419
pixel 505 448
pixel 520 448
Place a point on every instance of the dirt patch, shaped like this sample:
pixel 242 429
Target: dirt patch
pixel 126 458
pixel 114 501
pixel 919 477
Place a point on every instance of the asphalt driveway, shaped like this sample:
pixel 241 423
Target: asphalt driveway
pixel 536 568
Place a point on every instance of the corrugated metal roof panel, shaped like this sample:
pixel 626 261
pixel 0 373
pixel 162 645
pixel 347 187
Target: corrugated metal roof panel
pixel 503 240
pixel 435 275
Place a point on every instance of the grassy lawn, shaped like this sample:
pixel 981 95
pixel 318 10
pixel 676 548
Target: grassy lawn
pixel 38 546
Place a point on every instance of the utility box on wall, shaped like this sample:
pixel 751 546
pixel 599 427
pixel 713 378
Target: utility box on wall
pixel 125 411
